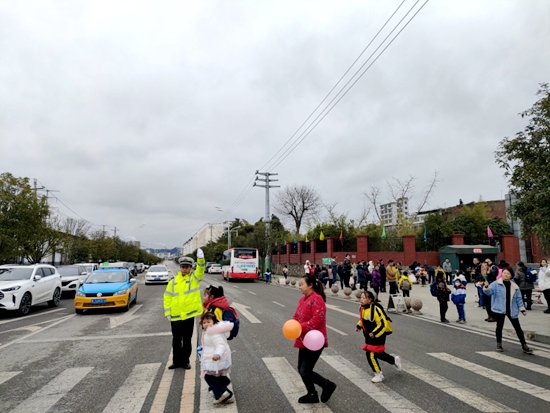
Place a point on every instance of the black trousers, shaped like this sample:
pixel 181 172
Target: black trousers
pixel 373 358
pixel 547 296
pixel 306 362
pixel 500 324
pixel 218 384
pixel 526 294
pixel 405 293
pixel 487 303
pixel 182 333
pixel 393 287
pixel 443 307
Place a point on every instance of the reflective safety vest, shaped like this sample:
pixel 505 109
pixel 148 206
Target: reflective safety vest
pixel 182 298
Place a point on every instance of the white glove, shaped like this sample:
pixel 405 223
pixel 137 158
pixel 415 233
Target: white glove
pixel 200 253
pixel 168 317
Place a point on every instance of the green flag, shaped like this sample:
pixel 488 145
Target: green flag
pixel 383 233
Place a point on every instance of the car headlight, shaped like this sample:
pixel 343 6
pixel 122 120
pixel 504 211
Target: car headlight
pixel 80 294
pixel 121 292
pixel 17 287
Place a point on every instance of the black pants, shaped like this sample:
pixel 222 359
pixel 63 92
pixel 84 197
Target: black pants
pixel 383 283
pixel 547 296
pixel 500 324
pixel 363 285
pixel 347 276
pixel 405 293
pixel 373 358
pixel 182 333
pixel 487 303
pixel 218 385
pixel 376 290
pixel 306 362
pixel 449 276
pixel 443 307
pixel 393 287
pixel 526 295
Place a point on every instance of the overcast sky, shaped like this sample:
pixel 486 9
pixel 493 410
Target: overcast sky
pixel 158 112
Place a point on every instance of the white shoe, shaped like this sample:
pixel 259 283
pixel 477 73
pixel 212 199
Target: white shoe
pixel 397 362
pixel 378 378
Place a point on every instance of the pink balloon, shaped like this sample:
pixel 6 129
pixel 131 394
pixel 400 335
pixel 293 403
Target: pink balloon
pixel 314 340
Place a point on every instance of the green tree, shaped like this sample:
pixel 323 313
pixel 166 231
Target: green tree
pixel 525 159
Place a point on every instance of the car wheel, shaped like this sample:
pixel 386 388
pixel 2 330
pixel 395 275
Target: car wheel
pixel 127 308
pixel 54 302
pixel 25 304
pixel 135 299
pixel 79 311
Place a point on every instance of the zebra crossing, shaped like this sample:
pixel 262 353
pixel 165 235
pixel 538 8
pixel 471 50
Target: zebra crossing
pixel 132 393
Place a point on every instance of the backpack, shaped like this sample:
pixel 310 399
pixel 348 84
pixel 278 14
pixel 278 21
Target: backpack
pixel 231 315
pixel 405 285
pixel 433 289
pixel 530 275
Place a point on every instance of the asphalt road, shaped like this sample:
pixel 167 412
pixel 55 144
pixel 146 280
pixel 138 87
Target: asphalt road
pixel 57 361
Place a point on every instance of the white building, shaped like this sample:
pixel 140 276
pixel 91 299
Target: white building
pixel 208 233
pixel 389 212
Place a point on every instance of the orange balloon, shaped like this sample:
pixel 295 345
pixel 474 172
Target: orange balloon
pixel 292 329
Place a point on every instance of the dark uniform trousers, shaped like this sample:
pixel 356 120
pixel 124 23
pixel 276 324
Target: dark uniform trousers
pixel 182 333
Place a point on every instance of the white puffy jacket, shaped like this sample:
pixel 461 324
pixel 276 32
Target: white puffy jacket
pixel 214 341
pixel 543 279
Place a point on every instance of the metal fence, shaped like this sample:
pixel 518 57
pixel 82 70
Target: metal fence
pixel 377 244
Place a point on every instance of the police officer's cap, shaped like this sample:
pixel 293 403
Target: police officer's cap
pixel 186 261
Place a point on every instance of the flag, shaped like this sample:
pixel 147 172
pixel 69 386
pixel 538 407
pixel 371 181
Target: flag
pixel 295 241
pixel 424 233
pixel 341 238
pixel 489 232
pixel 307 239
pixel 383 236
pixel 322 236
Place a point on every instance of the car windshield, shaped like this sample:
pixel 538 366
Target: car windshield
pixel 106 277
pixel 15 274
pixel 86 268
pixel 157 268
pixel 70 271
pixel 216 265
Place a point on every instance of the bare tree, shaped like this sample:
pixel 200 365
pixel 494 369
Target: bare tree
pixel 75 231
pixel 297 203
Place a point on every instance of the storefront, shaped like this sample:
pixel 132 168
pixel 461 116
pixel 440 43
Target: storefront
pixel 462 256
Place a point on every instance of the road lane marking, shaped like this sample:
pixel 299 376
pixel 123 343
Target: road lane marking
pixel 279 304
pixel 17 340
pixel 465 395
pixel 516 362
pixel 31 316
pixel 291 384
pixel 45 398
pixel 379 392
pixel 97 337
pixel 338 331
pixel 251 292
pixel 159 402
pixel 242 310
pixel 128 316
pixel 131 395
pixel 542 354
pixel 187 402
pixel 6 375
pixel 494 375
pixel 336 308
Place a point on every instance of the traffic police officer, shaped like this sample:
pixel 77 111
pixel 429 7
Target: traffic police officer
pixel 182 303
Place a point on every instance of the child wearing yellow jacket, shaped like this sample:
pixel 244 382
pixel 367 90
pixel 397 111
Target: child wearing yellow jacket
pixel 405 284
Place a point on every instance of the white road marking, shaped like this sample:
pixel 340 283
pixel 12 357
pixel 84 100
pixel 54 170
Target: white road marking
pixel 187 402
pixel 33 315
pixel 338 331
pixel 292 387
pixel 542 354
pixel 242 310
pixel 45 398
pixel 128 316
pixel 251 292
pixel 516 362
pixel 465 395
pixel 131 395
pixel 17 340
pixel 161 396
pixel 383 395
pixel 97 337
pixel 279 304
pixel 6 375
pixel 336 308
pixel 494 375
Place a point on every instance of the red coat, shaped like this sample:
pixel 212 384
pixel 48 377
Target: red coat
pixel 311 313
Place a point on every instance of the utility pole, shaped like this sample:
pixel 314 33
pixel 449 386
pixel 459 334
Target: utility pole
pixel 267 181
pixel 114 230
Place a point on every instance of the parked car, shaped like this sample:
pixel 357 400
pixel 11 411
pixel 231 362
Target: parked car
pixel 208 265
pixel 158 274
pixel 106 288
pixel 88 267
pixel 215 269
pixel 22 286
pixel 71 277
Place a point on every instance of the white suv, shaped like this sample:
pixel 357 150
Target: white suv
pixel 22 286
pixel 158 274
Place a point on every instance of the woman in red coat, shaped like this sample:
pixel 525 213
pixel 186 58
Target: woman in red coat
pixel 311 314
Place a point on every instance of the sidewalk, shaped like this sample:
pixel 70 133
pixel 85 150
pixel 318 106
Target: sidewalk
pixel 536 325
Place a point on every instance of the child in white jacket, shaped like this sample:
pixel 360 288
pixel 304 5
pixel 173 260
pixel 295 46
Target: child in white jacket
pixel 216 357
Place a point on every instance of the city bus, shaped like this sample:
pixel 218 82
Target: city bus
pixel 240 263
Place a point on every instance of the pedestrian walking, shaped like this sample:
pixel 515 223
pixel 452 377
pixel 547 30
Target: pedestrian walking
pixel 442 296
pixel 306 267
pixel 525 285
pixel 382 270
pixel 405 284
pixel 543 281
pixel 216 357
pixel 506 302
pixel 182 303
pixel 490 276
pixel 392 274
pixel 347 270
pixel 341 275
pixel 361 277
pixel 448 268
pixel 267 276
pixel 311 314
pixel 458 295
pixel 375 325
pixel 375 281
pixel 285 272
